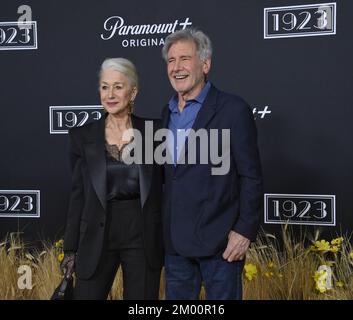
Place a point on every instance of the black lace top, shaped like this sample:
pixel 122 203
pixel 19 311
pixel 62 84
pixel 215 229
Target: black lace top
pixel 122 178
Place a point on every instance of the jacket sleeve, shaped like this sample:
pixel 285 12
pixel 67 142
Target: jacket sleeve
pixel 247 160
pixel 72 230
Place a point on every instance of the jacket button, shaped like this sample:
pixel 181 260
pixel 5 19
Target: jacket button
pixel 102 224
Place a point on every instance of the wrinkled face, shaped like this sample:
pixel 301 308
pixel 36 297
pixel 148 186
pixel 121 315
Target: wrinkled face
pixel 186 71
pixel 115 91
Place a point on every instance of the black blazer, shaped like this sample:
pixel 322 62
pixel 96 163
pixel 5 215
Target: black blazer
pixel 86 217
pixel 200 209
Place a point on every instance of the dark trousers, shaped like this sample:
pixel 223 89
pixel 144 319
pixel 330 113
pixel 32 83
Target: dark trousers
pixel 184 277
pixel 123 246
pixel 140 282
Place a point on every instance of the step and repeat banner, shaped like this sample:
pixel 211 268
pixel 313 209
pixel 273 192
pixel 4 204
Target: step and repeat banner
pixel 290 60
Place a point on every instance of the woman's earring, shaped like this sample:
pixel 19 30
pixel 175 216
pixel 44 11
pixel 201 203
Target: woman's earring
pixel 131 106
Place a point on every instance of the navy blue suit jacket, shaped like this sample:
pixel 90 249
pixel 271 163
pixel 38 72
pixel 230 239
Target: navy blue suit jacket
pixel 200 209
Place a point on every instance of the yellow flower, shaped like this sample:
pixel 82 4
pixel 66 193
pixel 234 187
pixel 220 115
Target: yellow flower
pixel 337 241
pixel 335 249
pixel 320 287
pixel 280 275
pixel 330 263
pixel 320 280
pixel 339 284
pixel 351 254
pixel 318 274
pixel 59 243
pixel 268 274
pixel 60 257
pixel 270 265
pixel 322 245
pixel 250 271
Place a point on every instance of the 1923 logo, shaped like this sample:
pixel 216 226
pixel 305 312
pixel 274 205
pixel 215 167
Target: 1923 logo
pixel 300 209
pixel 16 36
pixel 300 21
pixel 21 34
pixel 63 118
pixel 20 203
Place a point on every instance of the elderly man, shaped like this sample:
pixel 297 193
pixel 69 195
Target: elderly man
pixel 209 219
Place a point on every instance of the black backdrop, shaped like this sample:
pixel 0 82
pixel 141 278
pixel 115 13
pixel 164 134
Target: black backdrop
pixel 306 142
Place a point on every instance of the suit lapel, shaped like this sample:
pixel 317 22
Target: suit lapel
pixel 207 110
pixel 96 161
pixel 165 117
pixel 204 116
pixel 145 170
pixel 165 125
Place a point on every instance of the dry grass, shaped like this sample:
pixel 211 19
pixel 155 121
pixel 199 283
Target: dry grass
pixel 285 270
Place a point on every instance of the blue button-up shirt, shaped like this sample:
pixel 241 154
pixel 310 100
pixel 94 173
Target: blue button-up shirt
pixel 181 122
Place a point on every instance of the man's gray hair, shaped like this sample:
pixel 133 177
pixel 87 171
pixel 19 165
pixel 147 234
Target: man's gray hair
pixel 202 41
pixel 124 66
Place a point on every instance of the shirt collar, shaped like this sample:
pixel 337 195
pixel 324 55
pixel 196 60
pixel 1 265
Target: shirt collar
pixel 173 102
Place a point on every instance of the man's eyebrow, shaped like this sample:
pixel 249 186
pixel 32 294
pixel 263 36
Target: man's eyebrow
pixel 183 56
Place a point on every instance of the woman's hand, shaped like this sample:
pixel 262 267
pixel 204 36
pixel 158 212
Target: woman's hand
pixel 67 266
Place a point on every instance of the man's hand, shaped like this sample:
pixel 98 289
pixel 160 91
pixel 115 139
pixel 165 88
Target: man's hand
pixel 67 266
pixel 236 247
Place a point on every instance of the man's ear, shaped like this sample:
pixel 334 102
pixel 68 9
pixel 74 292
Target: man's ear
pixel 206 66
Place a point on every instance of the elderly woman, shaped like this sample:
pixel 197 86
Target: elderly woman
pixel 114 211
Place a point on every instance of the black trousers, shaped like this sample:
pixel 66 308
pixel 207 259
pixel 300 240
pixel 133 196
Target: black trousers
pixel 123 247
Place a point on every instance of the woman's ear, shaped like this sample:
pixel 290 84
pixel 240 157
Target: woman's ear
pixel 134 92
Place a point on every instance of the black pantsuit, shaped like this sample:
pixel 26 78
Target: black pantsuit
pixel 106 233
